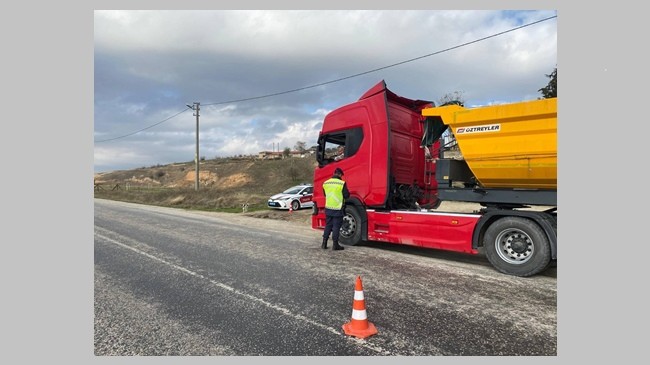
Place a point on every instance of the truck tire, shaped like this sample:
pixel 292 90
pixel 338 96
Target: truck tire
pixel 350 233
pixel 517 246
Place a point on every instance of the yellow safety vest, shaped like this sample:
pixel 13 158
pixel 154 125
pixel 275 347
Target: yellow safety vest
pixel 333 193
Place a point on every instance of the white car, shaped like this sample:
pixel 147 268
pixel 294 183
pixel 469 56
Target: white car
pixel 299 196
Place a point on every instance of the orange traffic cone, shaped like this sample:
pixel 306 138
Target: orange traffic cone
pixel 359 325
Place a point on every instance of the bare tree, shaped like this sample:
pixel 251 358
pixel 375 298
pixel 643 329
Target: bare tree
pixel 455 97
pixel 300 146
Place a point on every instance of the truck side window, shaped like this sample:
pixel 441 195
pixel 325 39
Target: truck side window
pixel 334 151
pixel 353 140
pixel 338 146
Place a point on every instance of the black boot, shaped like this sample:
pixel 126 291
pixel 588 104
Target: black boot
pixel 324 244
pixel 336 246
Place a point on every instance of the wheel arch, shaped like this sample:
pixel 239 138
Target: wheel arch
pixel 546 221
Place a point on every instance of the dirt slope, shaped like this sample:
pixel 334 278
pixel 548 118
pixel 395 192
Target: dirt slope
pixel 223 183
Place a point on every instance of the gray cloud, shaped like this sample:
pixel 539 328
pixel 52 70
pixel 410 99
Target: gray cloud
pixel 149 64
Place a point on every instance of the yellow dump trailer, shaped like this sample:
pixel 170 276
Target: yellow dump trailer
pixel 506 146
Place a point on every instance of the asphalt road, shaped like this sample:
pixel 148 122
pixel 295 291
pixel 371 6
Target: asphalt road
pixel 173 282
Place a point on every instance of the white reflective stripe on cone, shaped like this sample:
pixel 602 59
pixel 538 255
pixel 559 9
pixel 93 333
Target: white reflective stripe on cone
pixel 358 295
pixel 359 314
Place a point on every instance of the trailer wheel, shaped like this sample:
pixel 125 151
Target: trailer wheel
pixel 517 246
pixel 351 227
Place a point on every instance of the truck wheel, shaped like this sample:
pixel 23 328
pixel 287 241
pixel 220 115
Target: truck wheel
pixel 351 227
pixel 295 205
pixel 517 246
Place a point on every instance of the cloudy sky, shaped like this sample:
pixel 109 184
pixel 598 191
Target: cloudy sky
pixel 267 78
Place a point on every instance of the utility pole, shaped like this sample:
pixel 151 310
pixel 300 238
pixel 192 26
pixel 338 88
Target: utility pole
pixel 196 108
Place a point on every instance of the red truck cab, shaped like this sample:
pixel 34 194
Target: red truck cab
pixel 373 167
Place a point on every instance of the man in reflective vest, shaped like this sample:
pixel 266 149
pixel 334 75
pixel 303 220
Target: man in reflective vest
pixel 336 191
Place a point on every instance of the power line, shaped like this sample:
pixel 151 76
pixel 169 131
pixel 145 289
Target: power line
pixel 343 78
pixel 144 129
pixel 382 68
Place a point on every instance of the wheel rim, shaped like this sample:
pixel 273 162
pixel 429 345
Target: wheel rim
pixel 295 205
pixel 349 226
pixel 514 246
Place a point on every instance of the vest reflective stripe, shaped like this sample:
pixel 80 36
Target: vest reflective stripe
pixel 333 194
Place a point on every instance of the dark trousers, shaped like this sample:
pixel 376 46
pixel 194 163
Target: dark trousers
pixel 333 225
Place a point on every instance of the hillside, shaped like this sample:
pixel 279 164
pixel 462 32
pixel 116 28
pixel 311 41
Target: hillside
pixel 224 184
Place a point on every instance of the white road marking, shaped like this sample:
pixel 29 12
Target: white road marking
pixel 278 308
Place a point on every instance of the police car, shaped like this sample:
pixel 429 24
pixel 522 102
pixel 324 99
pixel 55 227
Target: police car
pixel 296 197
